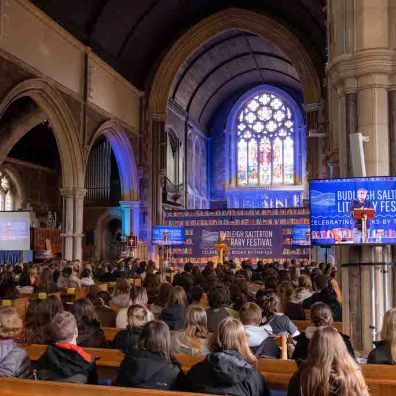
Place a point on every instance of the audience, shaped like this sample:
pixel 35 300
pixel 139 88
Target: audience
pixel 14 361
pixel 329 369
pixel 90 335
pixel 127 339
pixel 152 365
pixel 46 283
pixel 63 360
pixel 175 310
pixel 230 368
pixel 385 350
pixel 106 316
pixel 194 338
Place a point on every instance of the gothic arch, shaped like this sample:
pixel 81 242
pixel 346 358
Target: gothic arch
pixel 101 228
pixel 19 190
pixel 123 152
pixel 232 18
pixel 50 101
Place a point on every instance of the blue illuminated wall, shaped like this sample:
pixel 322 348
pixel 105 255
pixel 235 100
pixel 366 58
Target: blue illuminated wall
pixel 224 193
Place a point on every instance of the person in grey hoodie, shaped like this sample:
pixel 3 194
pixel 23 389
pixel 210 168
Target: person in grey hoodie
pixel 14 361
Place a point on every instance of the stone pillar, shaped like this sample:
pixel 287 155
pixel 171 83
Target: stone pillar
pixel 130 217
pixel 72 222
pixel 392 129
pixel 351 124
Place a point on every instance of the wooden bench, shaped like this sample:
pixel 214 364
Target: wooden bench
pixel 303 324
pixel 20 305
pixel 19 387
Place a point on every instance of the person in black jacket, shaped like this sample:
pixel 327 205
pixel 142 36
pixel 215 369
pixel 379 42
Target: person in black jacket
pixel 321 315
pixel 152 364
pixel 326 295
pixel 63 360
pixel 329 369
pixel 385 350
pixel 230 368
pixel 127 339
pixel 176 307
pixel 90 335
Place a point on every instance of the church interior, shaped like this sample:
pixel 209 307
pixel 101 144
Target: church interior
pixel 198 197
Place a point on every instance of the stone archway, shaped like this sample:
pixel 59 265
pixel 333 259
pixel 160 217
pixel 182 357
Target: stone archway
pixel 52 105
pixel 232 18
pixel 19 190
pixel 101 232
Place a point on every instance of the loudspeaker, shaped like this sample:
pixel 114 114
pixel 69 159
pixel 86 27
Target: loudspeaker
pixel 357 154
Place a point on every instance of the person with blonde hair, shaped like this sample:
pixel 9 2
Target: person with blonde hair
pixel 194 338
pixel 230 368
pixel 175 311
pixel 14 361
pixel 329 369
pixel 127 339
pixel 385 350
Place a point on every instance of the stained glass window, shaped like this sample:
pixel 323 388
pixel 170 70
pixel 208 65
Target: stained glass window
pixel 6 198
pixel 265 141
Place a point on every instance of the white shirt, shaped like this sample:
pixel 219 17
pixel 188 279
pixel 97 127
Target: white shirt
pixel 257 334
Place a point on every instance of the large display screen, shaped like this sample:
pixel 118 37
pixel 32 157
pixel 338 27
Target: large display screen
pixel 167 235
pixel 14 231
pixel 336 204
pixel 301 235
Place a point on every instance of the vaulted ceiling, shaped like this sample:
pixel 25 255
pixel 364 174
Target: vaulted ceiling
pixel 133 35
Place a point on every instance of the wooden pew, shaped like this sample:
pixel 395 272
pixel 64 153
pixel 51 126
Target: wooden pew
pixel 19 387
pixel 110 332
pixel 20 305
pixel 303 324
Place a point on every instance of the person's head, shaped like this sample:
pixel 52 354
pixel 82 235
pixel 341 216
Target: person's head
pixel 250 314
pixel 196 324
pixel 361 194
pixel 188 267
pixel 67 271
pixel 38 316
pixel 295 273
pixel 103 298
pixel 122 287
pixel 63 328
pixel 271 304
pixel 230 335
pixel 84 312
pixel 54 305
pixel 86 273
pixel 219 296
pixel 321 314
pixel 155 338
pixel 177 296
pixel 163 294
pixel 329 365
pixel 45 278
pixel 137 316
pixel 196 294
pixel 11 324
pixel 92 292
pixel 321 282
pixel 271 282
pixel 25 280
pixel 304 281
pixel 389 331
pixel 138 295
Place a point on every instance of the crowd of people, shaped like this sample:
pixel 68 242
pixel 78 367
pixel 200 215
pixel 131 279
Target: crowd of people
pixel 228 314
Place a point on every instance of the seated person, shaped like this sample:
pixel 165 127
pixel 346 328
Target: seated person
pixel 37 320
pixel 90 334
pixel 272 316
pixel 325 294
pixel 175 311
pixel 46 283
pixel 321 316
pixel 385 350
pixel 106 316
pixel 127 339
pixel 219 300
pixel 64 360
pixel 230 368
pixel 194 338
pixel 121 295
pixel 259 341
pixel 152 364
pixel 329 369
pixel 161 299
pixel 86 277
pixel 14 361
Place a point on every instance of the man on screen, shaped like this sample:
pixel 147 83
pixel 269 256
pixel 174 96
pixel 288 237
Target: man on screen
pixel 359 203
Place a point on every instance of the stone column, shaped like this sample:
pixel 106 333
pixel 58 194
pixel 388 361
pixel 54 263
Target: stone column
pixel 72 222
pixel 351 124
pixel 130 217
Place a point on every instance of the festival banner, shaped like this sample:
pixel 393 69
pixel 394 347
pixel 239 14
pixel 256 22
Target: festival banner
pixel 251 233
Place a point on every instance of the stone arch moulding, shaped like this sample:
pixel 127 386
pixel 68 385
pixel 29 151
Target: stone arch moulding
pixel 50 101
pixel 14 175
pixel 100 230
pixel 123 152
pixel 232 18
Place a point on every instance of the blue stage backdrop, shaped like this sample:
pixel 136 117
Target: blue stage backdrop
pixel 252 233
pixel 332 202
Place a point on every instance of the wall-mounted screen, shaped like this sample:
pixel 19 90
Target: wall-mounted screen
pixel 167 235
pixel 14 230
pixel 301 235
pixel 337 208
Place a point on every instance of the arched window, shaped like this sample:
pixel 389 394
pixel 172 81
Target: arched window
pixel 265 141
pixel 6 195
